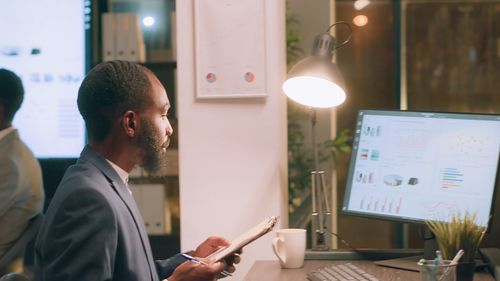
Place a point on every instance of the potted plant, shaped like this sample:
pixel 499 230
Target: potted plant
pixel 461 232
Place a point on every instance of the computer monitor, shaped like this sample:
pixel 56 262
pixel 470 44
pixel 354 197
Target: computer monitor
pixel 47 43
pixel 411 166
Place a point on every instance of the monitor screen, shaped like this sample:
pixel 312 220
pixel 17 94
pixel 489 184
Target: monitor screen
pixel 416 166
pixel 46 44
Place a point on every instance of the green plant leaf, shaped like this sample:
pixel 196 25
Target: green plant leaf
pixel 461 232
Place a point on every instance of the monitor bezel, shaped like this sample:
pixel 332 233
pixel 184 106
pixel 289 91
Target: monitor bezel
pixel 352 161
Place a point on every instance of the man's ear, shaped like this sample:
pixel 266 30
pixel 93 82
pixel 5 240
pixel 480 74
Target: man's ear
pixel 129 123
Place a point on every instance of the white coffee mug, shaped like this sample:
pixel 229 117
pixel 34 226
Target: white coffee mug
pixel 289 245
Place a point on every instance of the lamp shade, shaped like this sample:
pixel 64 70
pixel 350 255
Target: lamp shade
pixel 315 81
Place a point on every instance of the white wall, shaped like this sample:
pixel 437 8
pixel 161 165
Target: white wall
pixel 232 154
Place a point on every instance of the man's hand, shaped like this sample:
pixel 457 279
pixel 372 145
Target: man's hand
pixel 213 244
pixel 209 246
pixel 231 260
pixel 190 271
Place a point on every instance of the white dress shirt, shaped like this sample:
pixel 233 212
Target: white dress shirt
pixel 122 173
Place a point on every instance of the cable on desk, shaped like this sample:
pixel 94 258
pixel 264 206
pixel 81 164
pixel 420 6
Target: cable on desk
pixel 341 239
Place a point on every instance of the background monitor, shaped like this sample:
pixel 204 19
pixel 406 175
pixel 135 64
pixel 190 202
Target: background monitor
pixel 416 166
pixel 47 44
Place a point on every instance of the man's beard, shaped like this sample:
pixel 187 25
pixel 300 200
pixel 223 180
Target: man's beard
pixel 154 161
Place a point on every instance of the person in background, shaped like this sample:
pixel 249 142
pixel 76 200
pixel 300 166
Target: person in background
pixel 92 229
pixel 21 187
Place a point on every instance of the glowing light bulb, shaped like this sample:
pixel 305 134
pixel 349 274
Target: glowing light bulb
pixel 360 20
pixel 148 21
pixel 360 4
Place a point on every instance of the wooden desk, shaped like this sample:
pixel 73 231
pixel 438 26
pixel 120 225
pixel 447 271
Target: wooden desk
pixel 271 271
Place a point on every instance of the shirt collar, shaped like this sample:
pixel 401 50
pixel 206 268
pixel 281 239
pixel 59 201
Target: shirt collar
pixel 6 131
pixel 121 172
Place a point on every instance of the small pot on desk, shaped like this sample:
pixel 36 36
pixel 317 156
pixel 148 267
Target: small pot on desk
pixel 465 271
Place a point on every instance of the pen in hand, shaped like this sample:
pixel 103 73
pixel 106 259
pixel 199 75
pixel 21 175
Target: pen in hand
pixel 195 260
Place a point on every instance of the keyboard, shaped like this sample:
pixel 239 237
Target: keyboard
pixel 340 272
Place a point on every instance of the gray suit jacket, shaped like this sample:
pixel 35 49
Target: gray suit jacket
pixel 21 189
pixel 93 230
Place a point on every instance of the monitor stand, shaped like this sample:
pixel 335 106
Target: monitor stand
pixel 411 263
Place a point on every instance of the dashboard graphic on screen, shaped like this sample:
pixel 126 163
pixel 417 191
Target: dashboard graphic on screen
pixel 44 42
pixel 417 166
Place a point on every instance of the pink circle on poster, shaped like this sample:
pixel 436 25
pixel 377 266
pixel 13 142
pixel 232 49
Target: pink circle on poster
pixel 211 77
pixel 249 77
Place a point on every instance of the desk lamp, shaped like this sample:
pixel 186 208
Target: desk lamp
pixel 316 82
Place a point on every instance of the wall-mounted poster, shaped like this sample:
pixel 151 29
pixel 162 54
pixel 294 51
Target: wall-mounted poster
pixel 230 47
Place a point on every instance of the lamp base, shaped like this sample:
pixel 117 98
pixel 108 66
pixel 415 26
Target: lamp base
pixel 319 242
pixel 321 215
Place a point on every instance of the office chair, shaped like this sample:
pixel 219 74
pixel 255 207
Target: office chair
pixel 18 249
pixel 13 276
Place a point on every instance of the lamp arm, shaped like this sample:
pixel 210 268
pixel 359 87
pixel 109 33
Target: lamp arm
pixel 324 191
pixel 314 195
pixel 313 139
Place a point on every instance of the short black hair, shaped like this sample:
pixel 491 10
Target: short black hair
pixel 11 93
pixel 109 90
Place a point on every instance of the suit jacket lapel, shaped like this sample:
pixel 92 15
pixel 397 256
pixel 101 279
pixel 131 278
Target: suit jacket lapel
pixel 122 191
pixel 88 154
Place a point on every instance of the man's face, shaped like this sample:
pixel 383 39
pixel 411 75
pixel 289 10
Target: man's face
pixel 156 130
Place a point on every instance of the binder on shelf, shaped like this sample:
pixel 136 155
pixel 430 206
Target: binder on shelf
pixel 122 38
pixel 108 30
pixel 122 34
pixel 153 205
pixel 136 47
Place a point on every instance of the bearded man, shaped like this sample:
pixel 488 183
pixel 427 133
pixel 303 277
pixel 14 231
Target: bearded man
pixel 92 228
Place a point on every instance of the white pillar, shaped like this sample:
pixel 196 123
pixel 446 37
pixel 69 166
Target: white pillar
pixel 232 153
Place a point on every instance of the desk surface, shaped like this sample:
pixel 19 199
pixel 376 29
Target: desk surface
pixel 271 271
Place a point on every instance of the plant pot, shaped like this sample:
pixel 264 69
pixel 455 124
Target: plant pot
pixel 465 271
